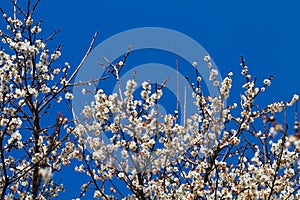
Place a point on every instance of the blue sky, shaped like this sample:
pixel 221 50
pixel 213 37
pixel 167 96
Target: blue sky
pixel 266 33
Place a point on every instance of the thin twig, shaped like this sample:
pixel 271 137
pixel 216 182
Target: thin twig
pixel 83 59
pixel 67 84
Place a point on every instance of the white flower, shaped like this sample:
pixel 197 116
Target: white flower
pixel 130 84
pixel 56 71
pixel 21 102
pixel 55 55
pixel 45 89
pixel 67 65
pixel 16 136
pixel 207 58
pixel 121 175
pixel 132 145
pixel 216 83
pixel 121 63
pixel 80 168
pixel 20 93
pixel 195 64
pixel 18 35
pixel 97 194
pixel 58 100
pixel 36 29
pixel 144 94
pixel 146 85
pixel 40 44
pixel 267 82
pixel 29 21
pixel 69 95
pixel 295 97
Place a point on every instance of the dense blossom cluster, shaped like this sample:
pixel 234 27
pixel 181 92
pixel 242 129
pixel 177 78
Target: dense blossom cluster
pixel 32 148
pixel 217 154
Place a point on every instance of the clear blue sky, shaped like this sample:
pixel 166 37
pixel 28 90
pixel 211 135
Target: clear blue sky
pixel 266 33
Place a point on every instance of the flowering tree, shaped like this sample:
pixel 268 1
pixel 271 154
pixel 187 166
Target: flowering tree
pixel 124 144
pixel 33 146
pixel 218 153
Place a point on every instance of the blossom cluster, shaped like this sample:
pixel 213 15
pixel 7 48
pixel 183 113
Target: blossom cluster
pixel 217 154
pixel 32 148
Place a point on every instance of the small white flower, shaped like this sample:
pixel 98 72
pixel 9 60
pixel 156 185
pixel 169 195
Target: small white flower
pixel 69 95
pixel 146 85
pixel 56 71
pixel 45 89
pixel 121 175
pixel 207 58
pixel 195 64
pixel 18 35
pixel 67 65
pixel 121 63
pixel 21 102
pixel 216 83
pixel 97 194
pixel 267 82
pixel 295 97
pixel 36 29
pixel 29 21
